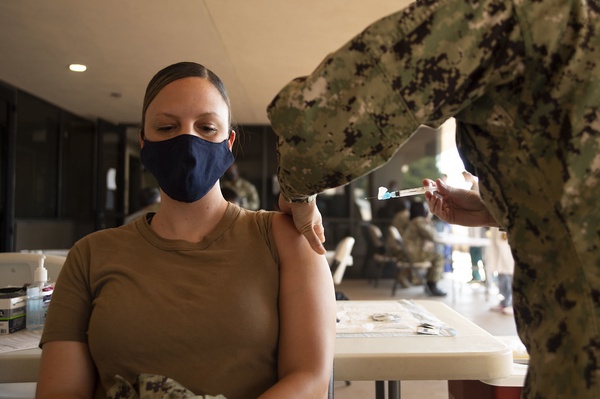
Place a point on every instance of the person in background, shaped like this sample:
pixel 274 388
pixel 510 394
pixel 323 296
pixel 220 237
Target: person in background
pixel 418 240
pixel 220 299
pixel 501 261
pixel 401 214
pixel 246 191
pixel 149 201
pixel 526 103
pixel 407 276
pixel 475 252
pixel 442 227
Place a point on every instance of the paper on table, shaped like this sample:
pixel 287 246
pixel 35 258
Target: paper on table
pixel 398 318
pixel 20 340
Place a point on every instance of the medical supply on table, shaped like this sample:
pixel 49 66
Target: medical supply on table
pixel 12 309
pixel 38 298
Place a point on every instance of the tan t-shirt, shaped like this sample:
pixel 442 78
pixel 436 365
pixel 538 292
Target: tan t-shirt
pixel 204 314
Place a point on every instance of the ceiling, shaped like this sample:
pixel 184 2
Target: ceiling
pixel 255 46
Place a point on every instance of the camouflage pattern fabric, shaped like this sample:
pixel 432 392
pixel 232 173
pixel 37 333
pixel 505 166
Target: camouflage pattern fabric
pixel 247 192
pixel 418 240
pixel 522 79
pixel 150 386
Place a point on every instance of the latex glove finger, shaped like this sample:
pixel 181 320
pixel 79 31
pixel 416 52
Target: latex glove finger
pixel 309 222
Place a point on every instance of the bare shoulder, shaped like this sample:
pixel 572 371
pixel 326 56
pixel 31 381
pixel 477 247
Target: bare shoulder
pixel 283 224
pixel 290 243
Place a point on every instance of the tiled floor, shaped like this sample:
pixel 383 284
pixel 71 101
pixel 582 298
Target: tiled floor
pixel 471 300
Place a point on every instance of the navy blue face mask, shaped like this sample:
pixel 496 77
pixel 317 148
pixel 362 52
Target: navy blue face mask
pixel 186 166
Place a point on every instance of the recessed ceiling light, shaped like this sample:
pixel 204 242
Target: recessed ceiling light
pixel 77 67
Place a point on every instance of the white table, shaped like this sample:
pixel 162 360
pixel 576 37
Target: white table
pixel 473 354
pixel 457 239
pixel 20 366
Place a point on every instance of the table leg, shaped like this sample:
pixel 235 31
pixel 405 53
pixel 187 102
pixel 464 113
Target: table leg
pixel 379 390
pixel 330 394
pixel 394 390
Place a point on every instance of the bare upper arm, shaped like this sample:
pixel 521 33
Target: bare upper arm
pixel 307 303
pixel 66 371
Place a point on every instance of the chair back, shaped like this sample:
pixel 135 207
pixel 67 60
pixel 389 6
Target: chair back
pixel 374 238
pixel 342 258
pixel 394 233
pixel 393 242
pixel 17 268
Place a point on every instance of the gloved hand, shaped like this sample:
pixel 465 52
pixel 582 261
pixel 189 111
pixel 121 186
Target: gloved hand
pixel 458 206
pixel 308 221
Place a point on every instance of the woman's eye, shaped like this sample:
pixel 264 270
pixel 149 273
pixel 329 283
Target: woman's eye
pixel 165 128
pixel 208 129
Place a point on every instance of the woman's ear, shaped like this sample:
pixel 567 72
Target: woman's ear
pixel 141 134
pixel 231 139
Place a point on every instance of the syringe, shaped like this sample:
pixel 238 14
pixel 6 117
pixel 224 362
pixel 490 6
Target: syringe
pixel 384 194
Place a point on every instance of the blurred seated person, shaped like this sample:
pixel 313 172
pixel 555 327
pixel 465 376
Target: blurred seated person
pixel 220 299
pixel 402 215
pixel 148 200
pixel 246 191
pixel 419 242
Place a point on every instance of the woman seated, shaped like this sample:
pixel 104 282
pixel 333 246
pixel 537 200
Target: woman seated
pixel 219 299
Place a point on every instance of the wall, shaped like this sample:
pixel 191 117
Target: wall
pixel 44 234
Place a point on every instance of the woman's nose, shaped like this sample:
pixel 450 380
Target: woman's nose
pixel 189 128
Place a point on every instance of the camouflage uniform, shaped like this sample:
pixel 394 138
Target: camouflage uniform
pixel 150 386
pixel 522 79
pixel 418 239
pixel 247 192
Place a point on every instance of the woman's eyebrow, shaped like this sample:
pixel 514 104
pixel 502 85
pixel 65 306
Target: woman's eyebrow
pixel 203 114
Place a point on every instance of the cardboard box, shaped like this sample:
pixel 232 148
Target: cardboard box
pixel 12 311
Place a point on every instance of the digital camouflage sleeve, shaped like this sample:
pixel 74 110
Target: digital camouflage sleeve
pixel 522 79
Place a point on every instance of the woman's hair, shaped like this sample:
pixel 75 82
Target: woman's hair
pixel 178 71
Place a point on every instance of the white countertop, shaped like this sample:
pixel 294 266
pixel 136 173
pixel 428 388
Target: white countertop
pixel 20 366
pixel 473 354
